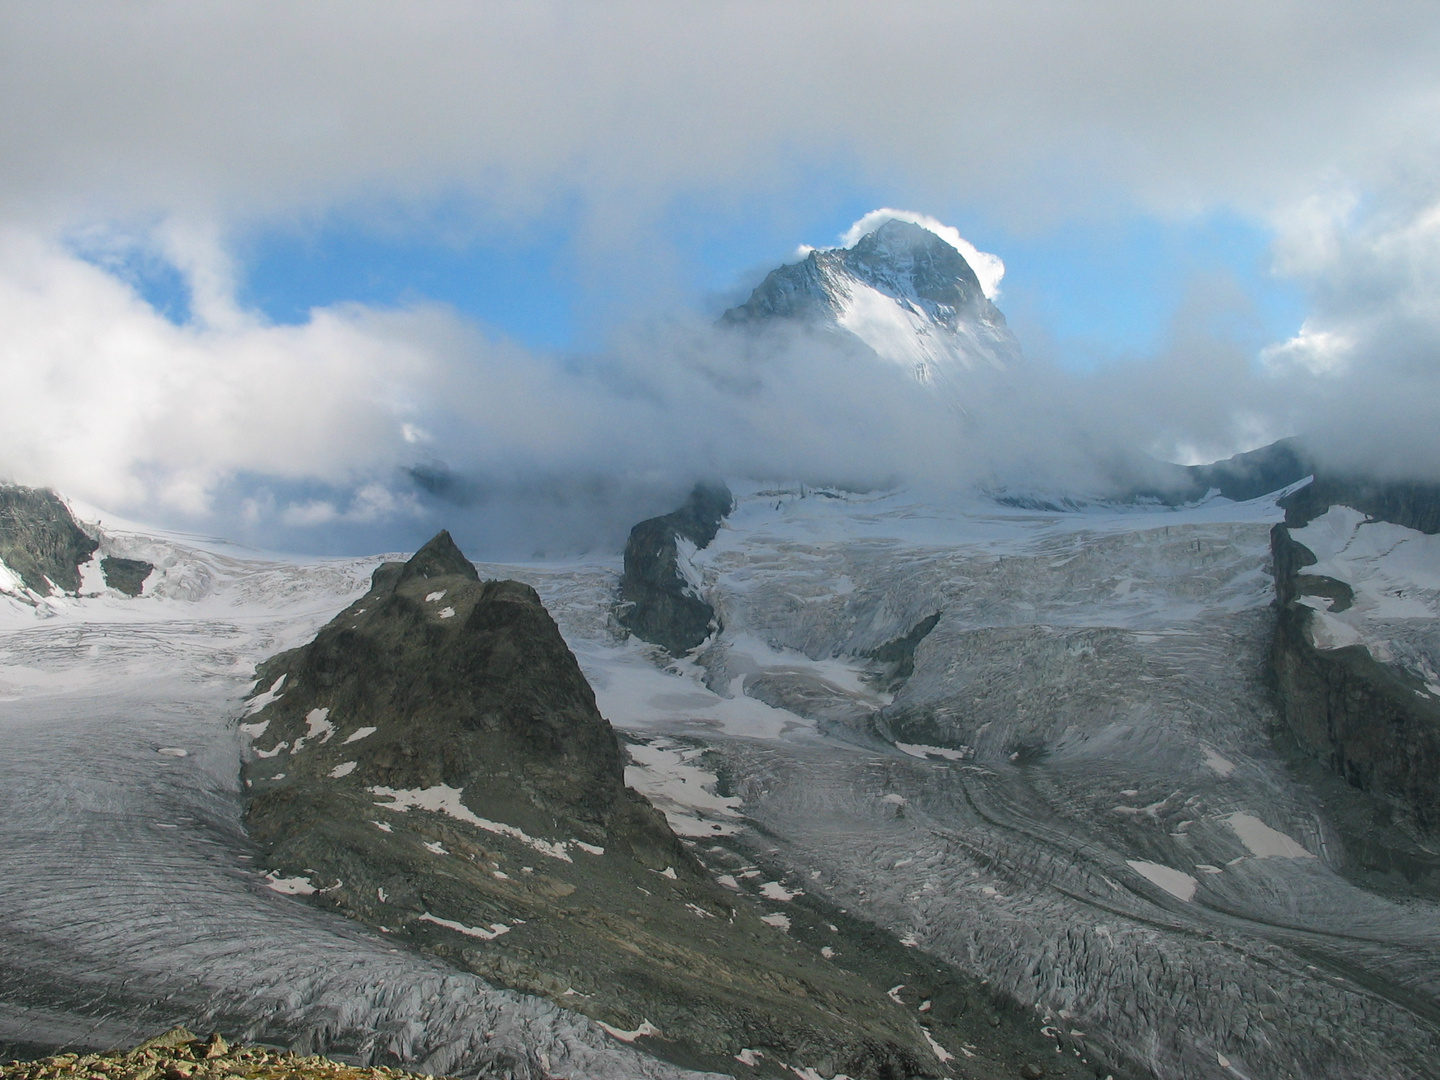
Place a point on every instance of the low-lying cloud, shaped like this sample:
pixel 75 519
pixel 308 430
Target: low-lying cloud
pixel 366 429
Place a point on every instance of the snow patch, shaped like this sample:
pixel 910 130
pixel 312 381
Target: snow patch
pixel 259 701
pixel 358 734
pixel 317 723
pixel 920 750
pixel 773 890
pixel 775 919
pixel 340 771
pixel 495 930
pixel 1176 882
pixel 939 1051
pixel 667 774
pixel 645 1028
pixel 1262 841
pixel 292 886
pixel 443 799
pixel 1222 766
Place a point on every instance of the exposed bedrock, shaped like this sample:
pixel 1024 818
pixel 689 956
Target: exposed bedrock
pixel 1372 722
pixel 434 764
pixel 40 541
pixel 660 591
pixel 125 575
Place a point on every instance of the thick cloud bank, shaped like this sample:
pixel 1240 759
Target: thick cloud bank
pixel 254 108
pixel 185 125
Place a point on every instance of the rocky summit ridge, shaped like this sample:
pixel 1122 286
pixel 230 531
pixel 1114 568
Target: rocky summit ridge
pixel 901 291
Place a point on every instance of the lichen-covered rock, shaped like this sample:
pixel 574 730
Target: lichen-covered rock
pixel 178 1054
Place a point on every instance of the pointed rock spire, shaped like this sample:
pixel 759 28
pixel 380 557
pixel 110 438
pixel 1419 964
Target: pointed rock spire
pixel 439 558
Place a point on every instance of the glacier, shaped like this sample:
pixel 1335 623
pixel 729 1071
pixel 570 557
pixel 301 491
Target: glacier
pixel 1077 793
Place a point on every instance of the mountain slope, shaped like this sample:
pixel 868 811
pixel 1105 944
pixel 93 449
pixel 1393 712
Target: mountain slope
pixel 901 291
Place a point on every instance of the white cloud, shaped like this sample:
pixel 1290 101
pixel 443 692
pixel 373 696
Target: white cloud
pixel 120 407
pixel 1316 352
pixel 988 268
pixel 234 110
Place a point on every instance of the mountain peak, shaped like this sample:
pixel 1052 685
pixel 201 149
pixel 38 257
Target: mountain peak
pixel 439 558
pixel 903 291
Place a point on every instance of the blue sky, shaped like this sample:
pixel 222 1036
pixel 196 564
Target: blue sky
pixel 1095 290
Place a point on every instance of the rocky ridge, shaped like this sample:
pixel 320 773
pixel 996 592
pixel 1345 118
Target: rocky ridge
pixel 433 764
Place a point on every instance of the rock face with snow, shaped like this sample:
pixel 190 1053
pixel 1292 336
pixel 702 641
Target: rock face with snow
pixel 1357 643
pixel 660 594
pixel 902 291
pixel 434 764
pixel 40 543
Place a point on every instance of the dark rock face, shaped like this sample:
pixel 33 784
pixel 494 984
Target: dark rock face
pixel 1241 477
pixel 899 654
pixel 1368 721
pixel 1254 473
pixel 660 603
pixel 39 539
pixel 433 764
pixel 1414 505
pixel 126 575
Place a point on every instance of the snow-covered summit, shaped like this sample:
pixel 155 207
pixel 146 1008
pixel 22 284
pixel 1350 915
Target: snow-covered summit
pixel 903 291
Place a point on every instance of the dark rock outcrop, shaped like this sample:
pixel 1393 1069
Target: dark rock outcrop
pixel 1241 477
pixel 1370 722
pixel 40 540
pixel 126 575
pixel 1408 503
pixel 434 764
pixel 898 655
pixel 659 602
pixel 1253 473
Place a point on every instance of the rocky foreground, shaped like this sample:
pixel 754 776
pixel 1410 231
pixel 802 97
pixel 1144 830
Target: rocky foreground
pixel 181 1055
